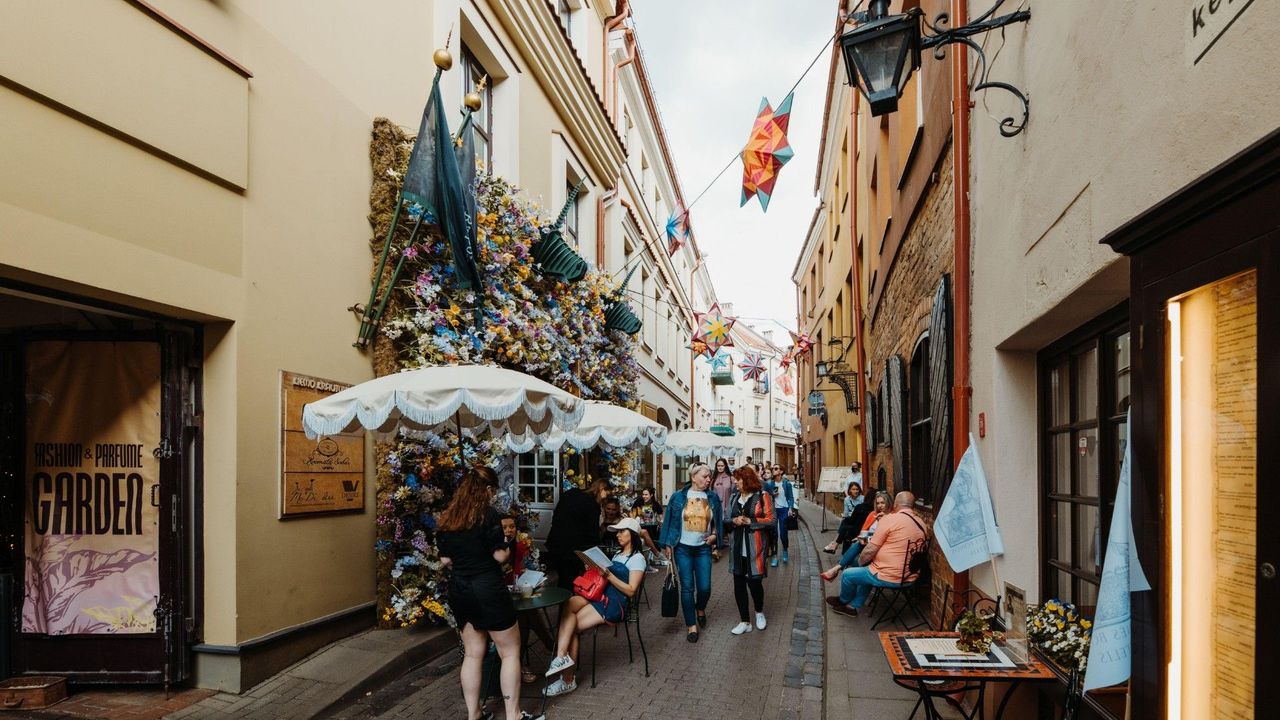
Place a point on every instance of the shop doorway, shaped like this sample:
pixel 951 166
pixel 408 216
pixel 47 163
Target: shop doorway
pixel 99 470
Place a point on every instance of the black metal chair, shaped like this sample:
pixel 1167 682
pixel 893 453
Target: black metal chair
pixel 901 598
pixel 632 617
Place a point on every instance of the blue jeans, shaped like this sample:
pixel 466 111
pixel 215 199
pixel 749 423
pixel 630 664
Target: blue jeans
pixel 693 562
pixel 856 584
pixel 782 526
pixel 850 557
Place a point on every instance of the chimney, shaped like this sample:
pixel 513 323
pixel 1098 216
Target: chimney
pixel 768 335
pixel 727 308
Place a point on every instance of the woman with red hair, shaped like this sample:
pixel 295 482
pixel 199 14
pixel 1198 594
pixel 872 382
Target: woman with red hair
pixel 752 517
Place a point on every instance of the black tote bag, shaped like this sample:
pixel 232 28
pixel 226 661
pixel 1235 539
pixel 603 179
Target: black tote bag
pixel 670 595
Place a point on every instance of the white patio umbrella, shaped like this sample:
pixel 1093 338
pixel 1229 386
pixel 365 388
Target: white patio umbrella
pixel 602 424
pixel 686 443
pixel 473 399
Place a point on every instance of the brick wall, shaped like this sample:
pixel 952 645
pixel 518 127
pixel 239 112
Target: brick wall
pixel 925 255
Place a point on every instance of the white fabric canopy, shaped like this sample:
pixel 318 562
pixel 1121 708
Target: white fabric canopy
pixel 602 424
pixel 475 398
pixel 686 443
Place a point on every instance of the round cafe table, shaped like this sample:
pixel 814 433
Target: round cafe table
pixel 543 599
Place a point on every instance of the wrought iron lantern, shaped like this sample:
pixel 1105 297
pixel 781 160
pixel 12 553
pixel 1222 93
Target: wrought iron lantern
pixel 882 51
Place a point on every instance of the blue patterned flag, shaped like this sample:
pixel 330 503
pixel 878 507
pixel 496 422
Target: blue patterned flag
pixel 1109 645
pixel 966 526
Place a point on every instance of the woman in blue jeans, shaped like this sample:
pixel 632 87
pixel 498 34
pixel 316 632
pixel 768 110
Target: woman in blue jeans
pixel 690 532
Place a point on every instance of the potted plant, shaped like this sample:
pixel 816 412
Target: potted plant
pixel 976 634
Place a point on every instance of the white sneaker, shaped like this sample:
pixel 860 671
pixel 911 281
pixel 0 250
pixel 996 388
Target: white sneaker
pixel 760 621
pixel 741 628
pixel 559 687
pixel 563 662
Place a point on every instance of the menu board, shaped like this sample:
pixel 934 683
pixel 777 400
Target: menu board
pixel 317 476
pixel 1235 436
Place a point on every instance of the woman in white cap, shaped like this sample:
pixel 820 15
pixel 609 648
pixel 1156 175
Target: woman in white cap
pixel 624 577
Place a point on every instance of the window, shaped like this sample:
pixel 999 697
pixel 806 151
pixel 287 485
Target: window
pixel 920 478
pixel 565 11
pixel 1084 395
pixel 757 416
pixel 482 120
pixel 537 477
pixel 571 219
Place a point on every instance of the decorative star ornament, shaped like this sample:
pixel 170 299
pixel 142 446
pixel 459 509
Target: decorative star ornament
pixel 784 382
pixel 802 344
pixel 700 348
pixel 753 366
pixel 787 358
pixel 719 360
pixel 677 231
pixel 767 150
pixel 713 328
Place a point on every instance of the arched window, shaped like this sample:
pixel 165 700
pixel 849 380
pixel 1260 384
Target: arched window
pixel 919 462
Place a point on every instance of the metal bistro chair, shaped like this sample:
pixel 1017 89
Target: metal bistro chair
pixel 632 617
pixel 949 690
pixel 901 598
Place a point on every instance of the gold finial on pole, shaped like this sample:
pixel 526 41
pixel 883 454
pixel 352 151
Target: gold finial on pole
pixel 441 57
pixel 473 100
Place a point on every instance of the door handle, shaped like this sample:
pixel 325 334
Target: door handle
pixel 155 490
pixel 1268 571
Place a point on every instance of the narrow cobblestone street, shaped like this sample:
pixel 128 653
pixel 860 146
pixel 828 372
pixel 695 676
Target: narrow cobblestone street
pixel 775 674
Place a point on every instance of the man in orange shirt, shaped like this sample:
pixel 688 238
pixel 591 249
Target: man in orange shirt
pixel 884 560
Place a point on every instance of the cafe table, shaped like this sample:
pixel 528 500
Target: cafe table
pixel 543 599
pixel 928 663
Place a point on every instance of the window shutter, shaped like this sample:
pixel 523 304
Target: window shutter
pixel 886 440
pixel 897 427
pixel 871 420
pixel 940 369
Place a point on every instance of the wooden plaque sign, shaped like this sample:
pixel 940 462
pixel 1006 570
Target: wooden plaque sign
pixel 316 476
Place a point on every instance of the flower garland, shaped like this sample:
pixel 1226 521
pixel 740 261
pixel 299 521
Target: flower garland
pixel 1060 633
pixel 518 319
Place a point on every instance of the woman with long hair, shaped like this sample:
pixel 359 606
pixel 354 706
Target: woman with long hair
pixel 722 484
pixel 648 511
pixel 751 515
pixel 853 515
pixel 472 548
pixel 624 576
pixel 850 557
pixel 691 528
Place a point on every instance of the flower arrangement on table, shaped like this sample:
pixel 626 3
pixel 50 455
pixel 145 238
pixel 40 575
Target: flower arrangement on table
pixel 1060 633
pixel 976 634
pixel 517 319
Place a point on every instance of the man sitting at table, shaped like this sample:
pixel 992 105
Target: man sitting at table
pixel 883 560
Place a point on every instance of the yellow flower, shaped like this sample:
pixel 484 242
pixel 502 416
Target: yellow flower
pixel 1086 624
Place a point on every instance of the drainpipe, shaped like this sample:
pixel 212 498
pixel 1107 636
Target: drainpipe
pixel 630 41
pixel 962 391
pixel 613 23
pixel 864 456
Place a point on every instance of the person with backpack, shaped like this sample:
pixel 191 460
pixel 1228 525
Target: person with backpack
pixel 784 502
pixel 884 558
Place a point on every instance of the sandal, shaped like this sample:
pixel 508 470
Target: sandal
pixel 832 576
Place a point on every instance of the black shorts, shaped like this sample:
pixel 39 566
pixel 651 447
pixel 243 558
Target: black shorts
pixel 481 600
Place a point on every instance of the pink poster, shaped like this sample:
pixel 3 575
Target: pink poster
pixel 91 526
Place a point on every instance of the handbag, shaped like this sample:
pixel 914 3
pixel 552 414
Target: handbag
pixel 793 522
pixel 670 595
pixel 590 585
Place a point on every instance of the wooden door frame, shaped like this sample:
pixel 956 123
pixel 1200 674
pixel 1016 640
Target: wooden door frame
pixel 1225 222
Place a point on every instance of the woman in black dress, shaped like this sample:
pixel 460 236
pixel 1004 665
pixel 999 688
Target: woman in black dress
pixel 472 547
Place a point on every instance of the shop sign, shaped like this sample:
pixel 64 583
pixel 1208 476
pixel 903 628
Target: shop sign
pixel 1209 21
pixel 317 476
pixel 816 403
pixel 91 525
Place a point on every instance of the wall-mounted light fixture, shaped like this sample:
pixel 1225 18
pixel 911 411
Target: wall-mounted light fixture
pixel 882 51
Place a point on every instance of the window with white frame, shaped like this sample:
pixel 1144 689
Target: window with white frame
pixel 571 218
pixel 564 10
pixel 538 477
pixel 482 120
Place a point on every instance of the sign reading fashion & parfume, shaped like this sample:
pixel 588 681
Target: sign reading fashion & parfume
pixel 317 476
pixel 91 526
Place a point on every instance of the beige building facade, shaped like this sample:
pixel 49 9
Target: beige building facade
pixel 196 176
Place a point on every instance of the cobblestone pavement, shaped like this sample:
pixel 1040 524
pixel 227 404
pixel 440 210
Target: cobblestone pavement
pixel 774 674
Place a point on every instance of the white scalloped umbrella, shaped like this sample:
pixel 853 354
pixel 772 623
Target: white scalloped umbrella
pixel 602 424
pixel 686 443
pixel 471 398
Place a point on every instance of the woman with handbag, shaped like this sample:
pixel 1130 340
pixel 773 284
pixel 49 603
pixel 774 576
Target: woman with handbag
pixel 600 597
pixel 472 548
pixel 751 515
pixel 690 533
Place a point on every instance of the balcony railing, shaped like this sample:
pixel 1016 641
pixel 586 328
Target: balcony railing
pixel 722 422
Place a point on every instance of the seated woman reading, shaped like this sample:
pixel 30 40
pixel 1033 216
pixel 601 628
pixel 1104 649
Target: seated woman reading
pixel 624 578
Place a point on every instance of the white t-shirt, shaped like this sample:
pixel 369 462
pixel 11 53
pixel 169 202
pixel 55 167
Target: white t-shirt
pixel 696 522
pixel 781 500
pixel 634 562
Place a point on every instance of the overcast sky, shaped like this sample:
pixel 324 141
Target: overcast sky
pixel 710 62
